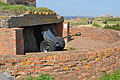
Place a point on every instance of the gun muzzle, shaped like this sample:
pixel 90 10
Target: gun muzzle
pixel 69 36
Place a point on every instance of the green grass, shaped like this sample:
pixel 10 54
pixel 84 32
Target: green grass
pixel 77 23
pixel 96 25
pixel 41 77
pixel 114 76
pixel 113 22
pixel 21 8
pixel 115 27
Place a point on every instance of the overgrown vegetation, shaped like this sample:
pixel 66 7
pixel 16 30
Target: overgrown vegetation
pixel 113 22
pixel 81 21
pixel 96 25
pixel 41 77
pixel 21 8
pixel 75 23
pixel 114 76
pixel 114 19
pixel 107 20
pixel 115 27
pixel 103 18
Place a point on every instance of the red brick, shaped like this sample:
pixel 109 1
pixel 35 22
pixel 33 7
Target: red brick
pixel 36 67
pixel 31 70
pixel 22 72
pixel 48 69
pixel 31 59
pixel 15 68
pixel 38 70
pixel 20 60
pixel 8 64
pixel 9 42
pixel 37 63
pixel 49 58
pixel 9 61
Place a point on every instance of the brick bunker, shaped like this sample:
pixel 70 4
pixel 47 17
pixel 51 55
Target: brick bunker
pixel 21 30
pixel 18 35
pixel 82 64
pixel 24 32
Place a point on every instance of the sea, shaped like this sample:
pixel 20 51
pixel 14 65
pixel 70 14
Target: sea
pixel 75 17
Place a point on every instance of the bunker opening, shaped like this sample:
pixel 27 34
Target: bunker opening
pixel 43 38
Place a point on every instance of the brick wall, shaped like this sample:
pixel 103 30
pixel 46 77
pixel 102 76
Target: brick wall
pixel 65 65
pixel 66 28
pixel 11 41
pixel 60 29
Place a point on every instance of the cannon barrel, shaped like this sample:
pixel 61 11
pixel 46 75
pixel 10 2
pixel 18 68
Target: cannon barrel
pixel 69 36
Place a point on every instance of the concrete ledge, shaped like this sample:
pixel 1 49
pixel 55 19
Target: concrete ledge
pixel 28 20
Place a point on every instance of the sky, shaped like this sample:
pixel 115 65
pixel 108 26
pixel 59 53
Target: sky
pixel 82 7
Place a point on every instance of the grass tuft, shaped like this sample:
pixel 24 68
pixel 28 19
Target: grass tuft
pixel 41 77
pixel 96 25
pixel 114 76
pixel 115 27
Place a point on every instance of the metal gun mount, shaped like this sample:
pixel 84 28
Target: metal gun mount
pixel 69 36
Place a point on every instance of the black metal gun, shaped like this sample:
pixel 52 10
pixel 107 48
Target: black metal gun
pixel 53 43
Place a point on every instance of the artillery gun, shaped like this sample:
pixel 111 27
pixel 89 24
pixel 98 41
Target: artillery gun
pixel 53 43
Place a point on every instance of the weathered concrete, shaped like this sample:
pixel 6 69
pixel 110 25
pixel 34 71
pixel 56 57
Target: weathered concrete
pixel 23 2
pixel 5 76
pixel 28 20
